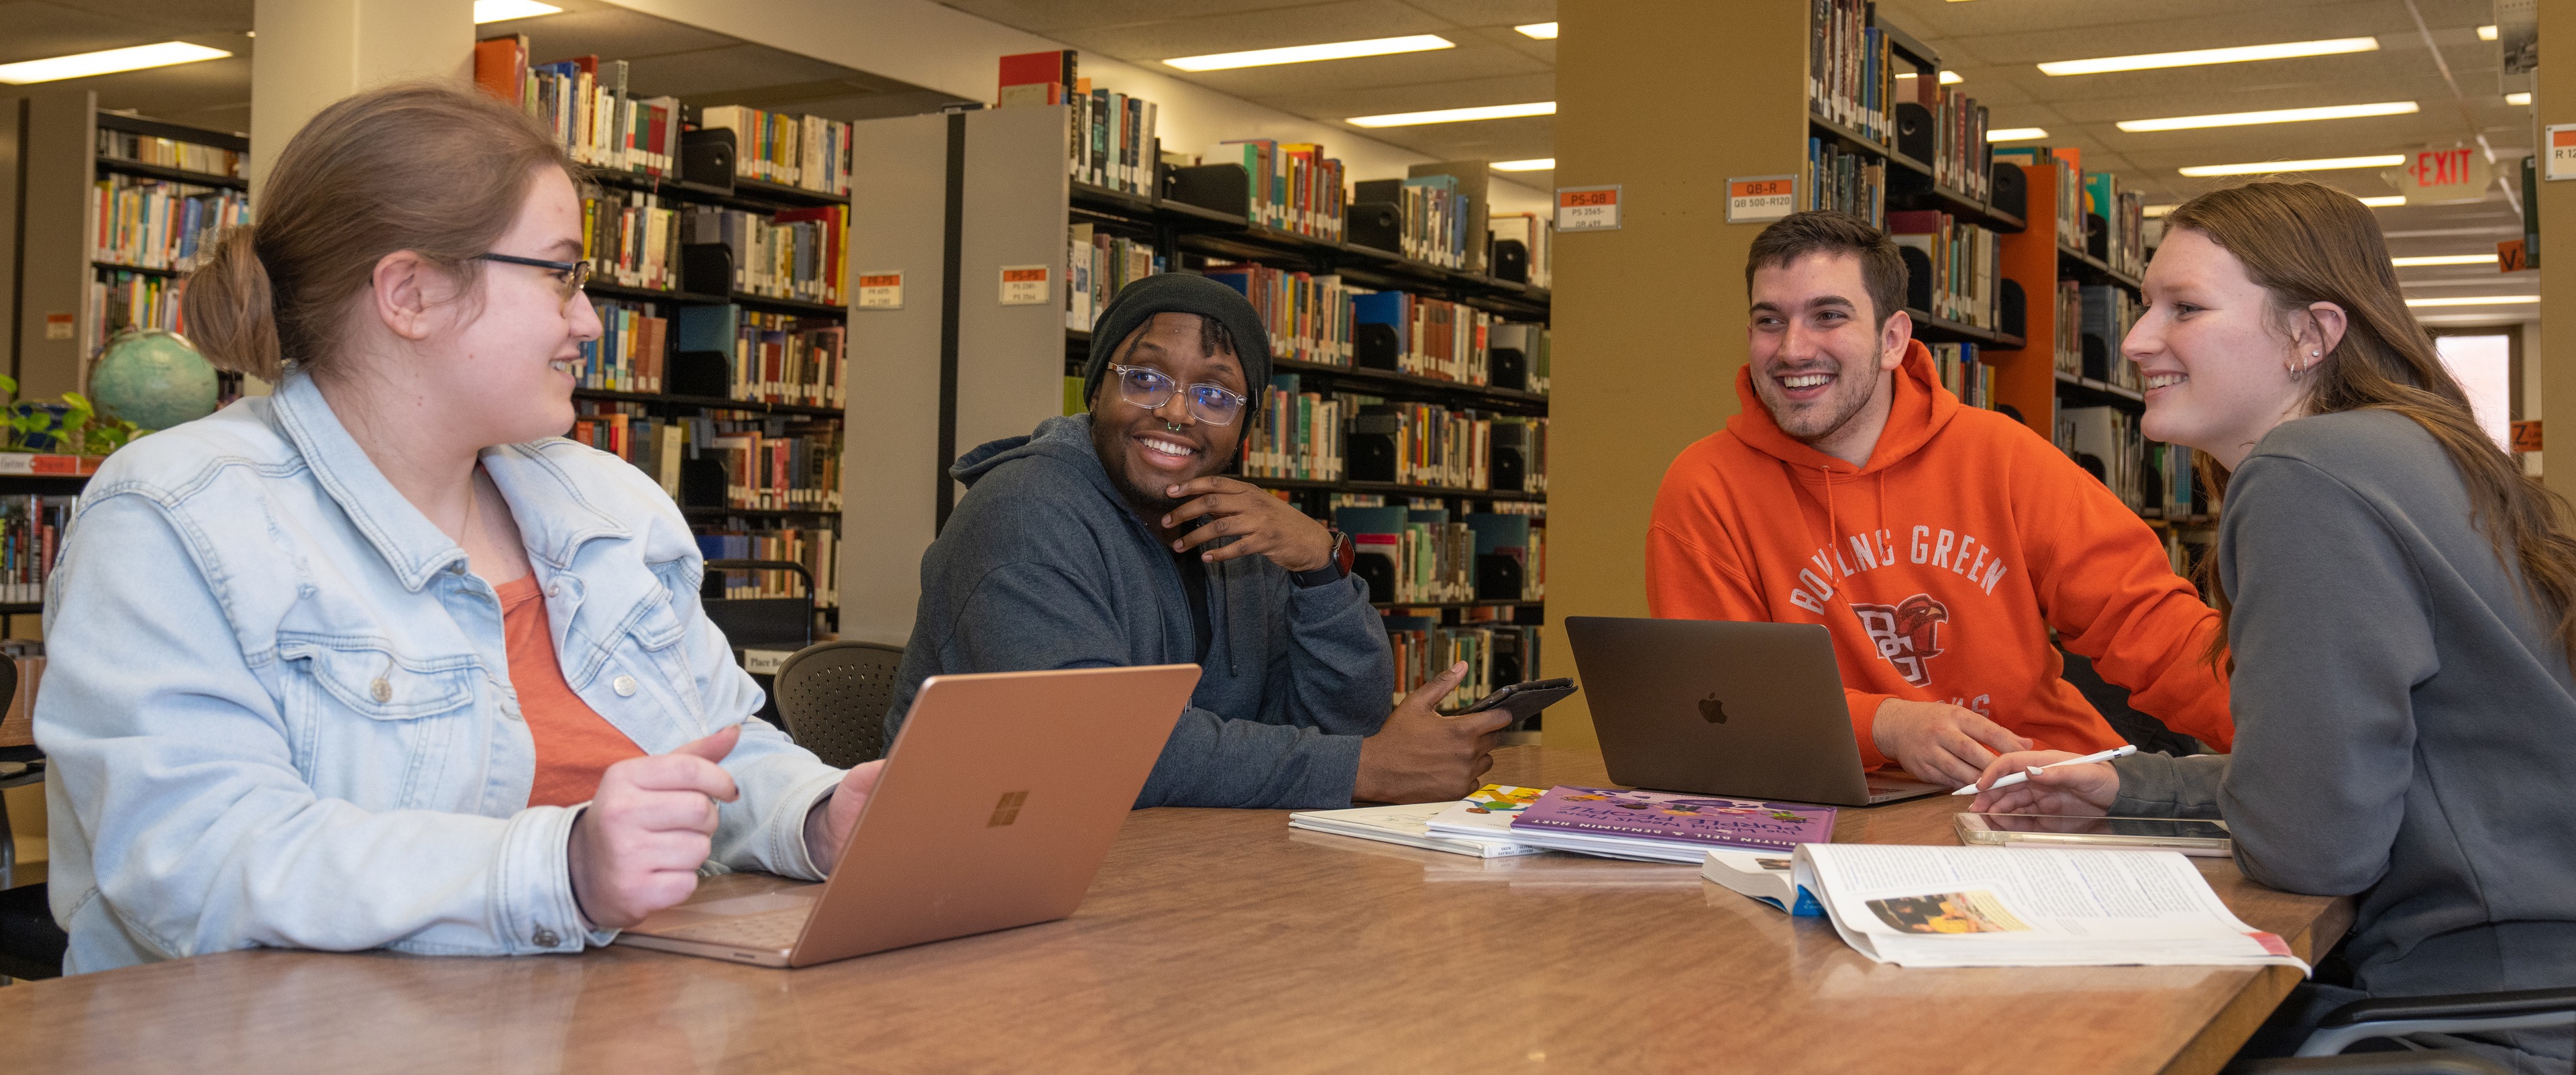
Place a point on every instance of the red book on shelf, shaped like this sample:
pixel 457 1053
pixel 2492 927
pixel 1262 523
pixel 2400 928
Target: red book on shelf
pixel 1037 78
pixel 501 66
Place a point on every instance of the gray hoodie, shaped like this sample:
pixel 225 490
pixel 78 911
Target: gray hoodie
pixel 1045 566
pixel 2405 717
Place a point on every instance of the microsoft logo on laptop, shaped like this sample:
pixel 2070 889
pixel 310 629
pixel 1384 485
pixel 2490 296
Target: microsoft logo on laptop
pixel 1007 810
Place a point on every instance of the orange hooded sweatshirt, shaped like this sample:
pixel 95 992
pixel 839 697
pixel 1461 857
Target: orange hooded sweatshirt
pixel 1939 568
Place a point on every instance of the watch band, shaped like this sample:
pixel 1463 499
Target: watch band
pixel 1334 570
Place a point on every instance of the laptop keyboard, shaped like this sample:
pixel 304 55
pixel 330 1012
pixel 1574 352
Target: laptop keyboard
pixel 772 929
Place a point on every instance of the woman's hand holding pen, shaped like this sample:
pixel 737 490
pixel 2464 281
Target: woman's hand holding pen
pixel 2074 790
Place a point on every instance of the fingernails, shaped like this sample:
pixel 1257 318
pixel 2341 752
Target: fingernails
pixel 1171 490
pixel 1167 520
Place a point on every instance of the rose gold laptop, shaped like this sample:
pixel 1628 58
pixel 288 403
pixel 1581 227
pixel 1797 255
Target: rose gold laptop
pixel 999 800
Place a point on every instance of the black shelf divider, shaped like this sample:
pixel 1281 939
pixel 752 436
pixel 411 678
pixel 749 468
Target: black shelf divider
pixel 2085 391
pixel 174 175
pixel 1392 489
pixel 2093 270
pixel 1930 329
pixel 707 402
pixel 748 195
pixel 135 269
pixel 755 513
pixel 604 289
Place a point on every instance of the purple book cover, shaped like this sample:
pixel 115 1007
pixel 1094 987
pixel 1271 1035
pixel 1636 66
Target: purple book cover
pixel 1689 819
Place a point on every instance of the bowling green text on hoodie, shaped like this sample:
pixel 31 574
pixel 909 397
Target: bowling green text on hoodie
pixel 1939 568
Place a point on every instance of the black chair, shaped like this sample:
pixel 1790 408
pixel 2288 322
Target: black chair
pixel 2410 1062
pixel 2455 1013
pixel 834 697
pixel 31 946
pixel 759 622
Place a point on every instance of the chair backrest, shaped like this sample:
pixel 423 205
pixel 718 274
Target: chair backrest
pixel 759 622
pixel 834 695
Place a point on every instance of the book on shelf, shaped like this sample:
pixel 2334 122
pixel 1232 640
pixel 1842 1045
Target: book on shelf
pixel 2068 347
pixel 1424 337
pixel 2168 472
pixel 1968 378
pixel 1110 138
pixel 171 153
pixel 1954 268
pixel 1496 653
pixel 587 105
pixel 816 548
pixel 1537 236
pixel 157 224
pixel 2124 217
pixel 631 238
pixel 31 528
pixel 1432 216
pixel 2068 163
pixel 1850 69
pixel 1097 264
pixel 1290 186
pixel 629 354
pixel 770 358
pixel 1961 156
pixel 1308 315
pixel 1518 356
pixel 793 254
pixel 120 300
pixel 1511 557
pixel 806 152
pixel 1299 434
pixel 2105 441
pixel 1844 181
pixel 1413 443
pixel 2108 314
pixel 1420 555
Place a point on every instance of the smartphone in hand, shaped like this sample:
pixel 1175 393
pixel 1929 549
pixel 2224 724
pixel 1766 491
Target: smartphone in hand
pixel 1524 700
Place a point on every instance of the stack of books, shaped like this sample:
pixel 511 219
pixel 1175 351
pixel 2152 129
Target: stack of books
pixel 1308 315
pixel 631 238
pixel 1966 377
pixel 1432 338
pixel 1293 187
pixel 628 355
pixel 586 104
pixel 1643 826
pixel 792 254
pixel 31 529
pixel 1299 435
pixel 806 152
pixel 121 300
pixel 151 224
pixel 1851 76
pixel 1097 264
pixel 1962 262
pixel 1843 181
pixel 171 153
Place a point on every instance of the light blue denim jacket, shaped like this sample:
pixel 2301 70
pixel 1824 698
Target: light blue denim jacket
pixel 278 706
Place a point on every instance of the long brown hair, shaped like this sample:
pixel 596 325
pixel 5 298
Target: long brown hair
pixel 429 167
pixel 2307 243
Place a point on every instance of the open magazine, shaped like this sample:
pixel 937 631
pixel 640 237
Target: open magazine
pixel 2025 907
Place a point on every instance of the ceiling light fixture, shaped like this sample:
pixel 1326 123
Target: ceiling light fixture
pixel 2482 300
pixel 2518 99
pixel 505 10
pixel 1948 78
pixel 2444 259
pixel 2155 211
pixel 1454 115
pixel 1544 31
pixel 1338 50
pixel 1534 164
pixel 83 65
pixel 2016 134
pixel 2389 201
pixel 2277 115
pixel 2487 32
pixel 2197 57
pixel 2319 164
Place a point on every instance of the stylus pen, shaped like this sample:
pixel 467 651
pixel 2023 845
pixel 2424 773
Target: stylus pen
pixel 2119 752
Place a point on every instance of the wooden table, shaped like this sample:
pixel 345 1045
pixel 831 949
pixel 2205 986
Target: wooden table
pixel 1220 941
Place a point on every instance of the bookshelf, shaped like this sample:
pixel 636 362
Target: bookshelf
pixel 154 190
pixel 714 236
pixel 37 491
pixel 961 198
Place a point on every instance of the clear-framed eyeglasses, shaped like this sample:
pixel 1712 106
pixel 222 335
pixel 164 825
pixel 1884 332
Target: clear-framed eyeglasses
pixel 1151 388
pixel 569 275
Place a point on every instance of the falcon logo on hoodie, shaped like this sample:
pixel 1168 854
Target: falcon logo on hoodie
pixel 1908 634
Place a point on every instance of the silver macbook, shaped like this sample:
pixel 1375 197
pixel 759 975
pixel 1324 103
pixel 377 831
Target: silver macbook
pixel 1745 710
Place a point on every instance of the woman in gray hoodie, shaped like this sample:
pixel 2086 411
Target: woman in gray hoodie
pixel 2401 606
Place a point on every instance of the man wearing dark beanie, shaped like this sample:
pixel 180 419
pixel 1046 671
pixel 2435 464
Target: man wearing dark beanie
pixel 1111 538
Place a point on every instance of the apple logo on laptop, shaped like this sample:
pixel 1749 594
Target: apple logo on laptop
pixel 1712 710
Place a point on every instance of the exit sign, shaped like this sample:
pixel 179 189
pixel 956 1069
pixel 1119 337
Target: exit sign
pixel 2437 175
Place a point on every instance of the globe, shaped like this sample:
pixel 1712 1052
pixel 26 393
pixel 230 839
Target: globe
pixel 153 378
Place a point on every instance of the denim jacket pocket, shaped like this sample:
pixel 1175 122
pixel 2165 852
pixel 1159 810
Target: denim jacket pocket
pixel 656 631
pixel 356 706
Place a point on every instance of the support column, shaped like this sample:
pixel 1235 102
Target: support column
pixel 314 52
pixel 1650 319
pixel 2553 346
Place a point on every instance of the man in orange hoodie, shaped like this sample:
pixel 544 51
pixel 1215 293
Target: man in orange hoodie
pixel 1937 542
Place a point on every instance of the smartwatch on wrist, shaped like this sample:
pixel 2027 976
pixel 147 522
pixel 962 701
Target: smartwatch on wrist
pixel 1334 570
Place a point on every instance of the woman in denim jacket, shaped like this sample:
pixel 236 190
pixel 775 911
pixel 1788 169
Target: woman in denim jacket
pixel 291 700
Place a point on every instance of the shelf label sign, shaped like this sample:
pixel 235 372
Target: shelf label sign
pixel 1024 285
pixel 1587 208
pixel 59 326
pixel 2562 150
pixel 880 291
pixel 1760 199
pixel 2526 436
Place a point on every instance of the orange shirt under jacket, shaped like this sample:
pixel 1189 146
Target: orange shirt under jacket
pixel 1939 568
pixel 574 743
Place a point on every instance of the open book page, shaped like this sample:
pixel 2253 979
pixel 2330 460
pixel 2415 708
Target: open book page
pixel 2027 907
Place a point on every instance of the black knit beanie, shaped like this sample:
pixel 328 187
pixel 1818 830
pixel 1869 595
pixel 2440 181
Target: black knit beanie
pixel 1183 293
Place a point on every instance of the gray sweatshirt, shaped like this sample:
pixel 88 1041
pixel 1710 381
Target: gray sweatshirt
pixel 2406 719
pixel 1043 565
